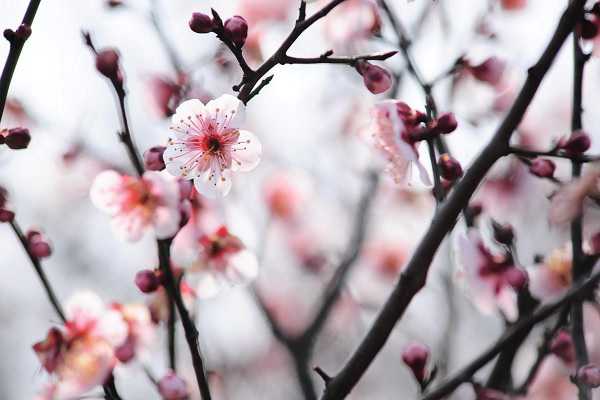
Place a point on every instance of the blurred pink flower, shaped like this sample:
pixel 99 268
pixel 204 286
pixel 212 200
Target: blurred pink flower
pixel 217 258
pixel 140 331
pixel 392 124
pixel 567 203
pixel 551 278
pixel 386 258
pixel 513 4
pixel 286 194
pixel 265 11
pixel 136 204
pixel 208 144
pixel 489 277
pixel 353 20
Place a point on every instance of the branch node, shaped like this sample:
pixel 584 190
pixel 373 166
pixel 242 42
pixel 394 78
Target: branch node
pixel 326 378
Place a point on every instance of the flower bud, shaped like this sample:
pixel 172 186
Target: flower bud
pixel 578 143
pixel 126 351
pixel 201 23
pixel 450 168
pixel 588 29
pixel 595 243
pixel 6 215
pixel 376 79
pixel 446 123
pixel 503 233
pixel 153 158
pixel 107 63
pixel 516 277
pixel 37 244
pixel 542 167
pixel 17 138
pixel 236 29
pixel 489 71
pixel 172 387
pixel 562 346
pixel 147 281
pixel 589 375
pixel 415 356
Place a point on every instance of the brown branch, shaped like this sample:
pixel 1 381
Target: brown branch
pixel 466 374
pixel 414 276
pixel 554 153
pixel 326 58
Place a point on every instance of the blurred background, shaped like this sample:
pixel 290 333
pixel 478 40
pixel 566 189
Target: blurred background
pixel 312 121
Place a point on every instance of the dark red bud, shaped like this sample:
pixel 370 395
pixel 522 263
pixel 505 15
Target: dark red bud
pixel 107 63
pixel 578 143
pixel 172 387
pixel 147 281
pixel 236 30
pixel 589 375
pixel 415 356
pixel 562 346
pixel 503 233
pixel 153 158
pixel 517 278
pixel 588 29
pixel 595 243
pixel 17 138
pixel 37 244
pixel 376 79
pixel 126 351
pixel 6 215
pixel 490 71
pixel 446 123
pixel 542 167
pixel 201 23
pixel 450 168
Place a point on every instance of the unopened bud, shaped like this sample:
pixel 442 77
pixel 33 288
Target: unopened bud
pixel 595 243
pixel 562 346
pixel 153 158
pixel 450 168
pixel 446 123
pixel 37 244
pixel 516 277
pixel 172 387
pixel 126 351
pixel 415 356
pixel 17 138
pixel 147 281
pixel 589 375
pixel 490 71
pixel 503 233
pixel 578 143
pixel 107 63
pixel 201 23
pixel 588 29
pixel 376 79
pixel 542 167
pixel 236 29
pixel 6 215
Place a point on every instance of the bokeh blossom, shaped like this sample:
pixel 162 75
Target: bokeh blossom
pixel 208 145
pixel 551 278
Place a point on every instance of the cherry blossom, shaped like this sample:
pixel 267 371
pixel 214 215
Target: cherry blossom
pixel 208 145
pixel 286 193
pixel 551 278
pixel 567 204
pixel 137 204
pixel 217 258
pixel 353 20
pixel 392 124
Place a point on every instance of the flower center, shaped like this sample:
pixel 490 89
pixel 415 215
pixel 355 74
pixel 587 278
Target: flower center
pixel 214 144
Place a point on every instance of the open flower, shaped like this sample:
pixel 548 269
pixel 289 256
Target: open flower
pixel 392 124
pixel 80 355
pixel 567 203
pixel 491 278
pixel 218 258
pixel 353 20
pixel 208 144
pixel 137 204
pixel 552 278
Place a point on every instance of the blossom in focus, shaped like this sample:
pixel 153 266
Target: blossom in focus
pixel 392 124
pixel 81 355
pixel 208 145
pixel 137 204
pixel 551 278
pixel 491 278
pixel 567 203
pixel 216 258
pixel 352 21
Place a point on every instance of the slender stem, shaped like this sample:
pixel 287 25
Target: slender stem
pixel 414 276
pixel 171 332
pixel 553 153
pixel 525 325
pixel 125 135
pixel 438 190
pixel 16 46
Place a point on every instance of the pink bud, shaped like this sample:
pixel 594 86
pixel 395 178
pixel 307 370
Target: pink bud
pixel 114 3
pixel 589 375
pixel 503 234
pixel 595 243
pixel 172 387
pixel 542 167
pixel 446 123
pixel 126 351
pixel 415 356
pixel 147 281
pixel 17 138
pixel 153 158
pixel 201 23
pixel 516 277
pixel 236 29
pixel 107 63
pixel 578 143
pixel 37 244
pixel 376 79
pixel 450 168
pixel 490 71
pixel 6 215
pixel 562 346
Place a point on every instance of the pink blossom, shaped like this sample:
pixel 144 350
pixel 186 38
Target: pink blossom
pixel 387 258
pixel 351 21
pixel 140 331
pixel 552 278
pixel 216 257
pixel 265 11
pixel 489 276
pixel 208 144
pixel 286 194
pixel 567 203
pixel 137 204
pixel 513 4
pixel 172 387
pixel 392 124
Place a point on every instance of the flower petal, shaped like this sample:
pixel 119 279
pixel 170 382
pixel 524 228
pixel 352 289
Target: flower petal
pixel 192 110
pixel 105 191
pixel 246 153
pixel 214 183
pixel 227 110
pixel 166 222
pixel 209 285
pixel 243 267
